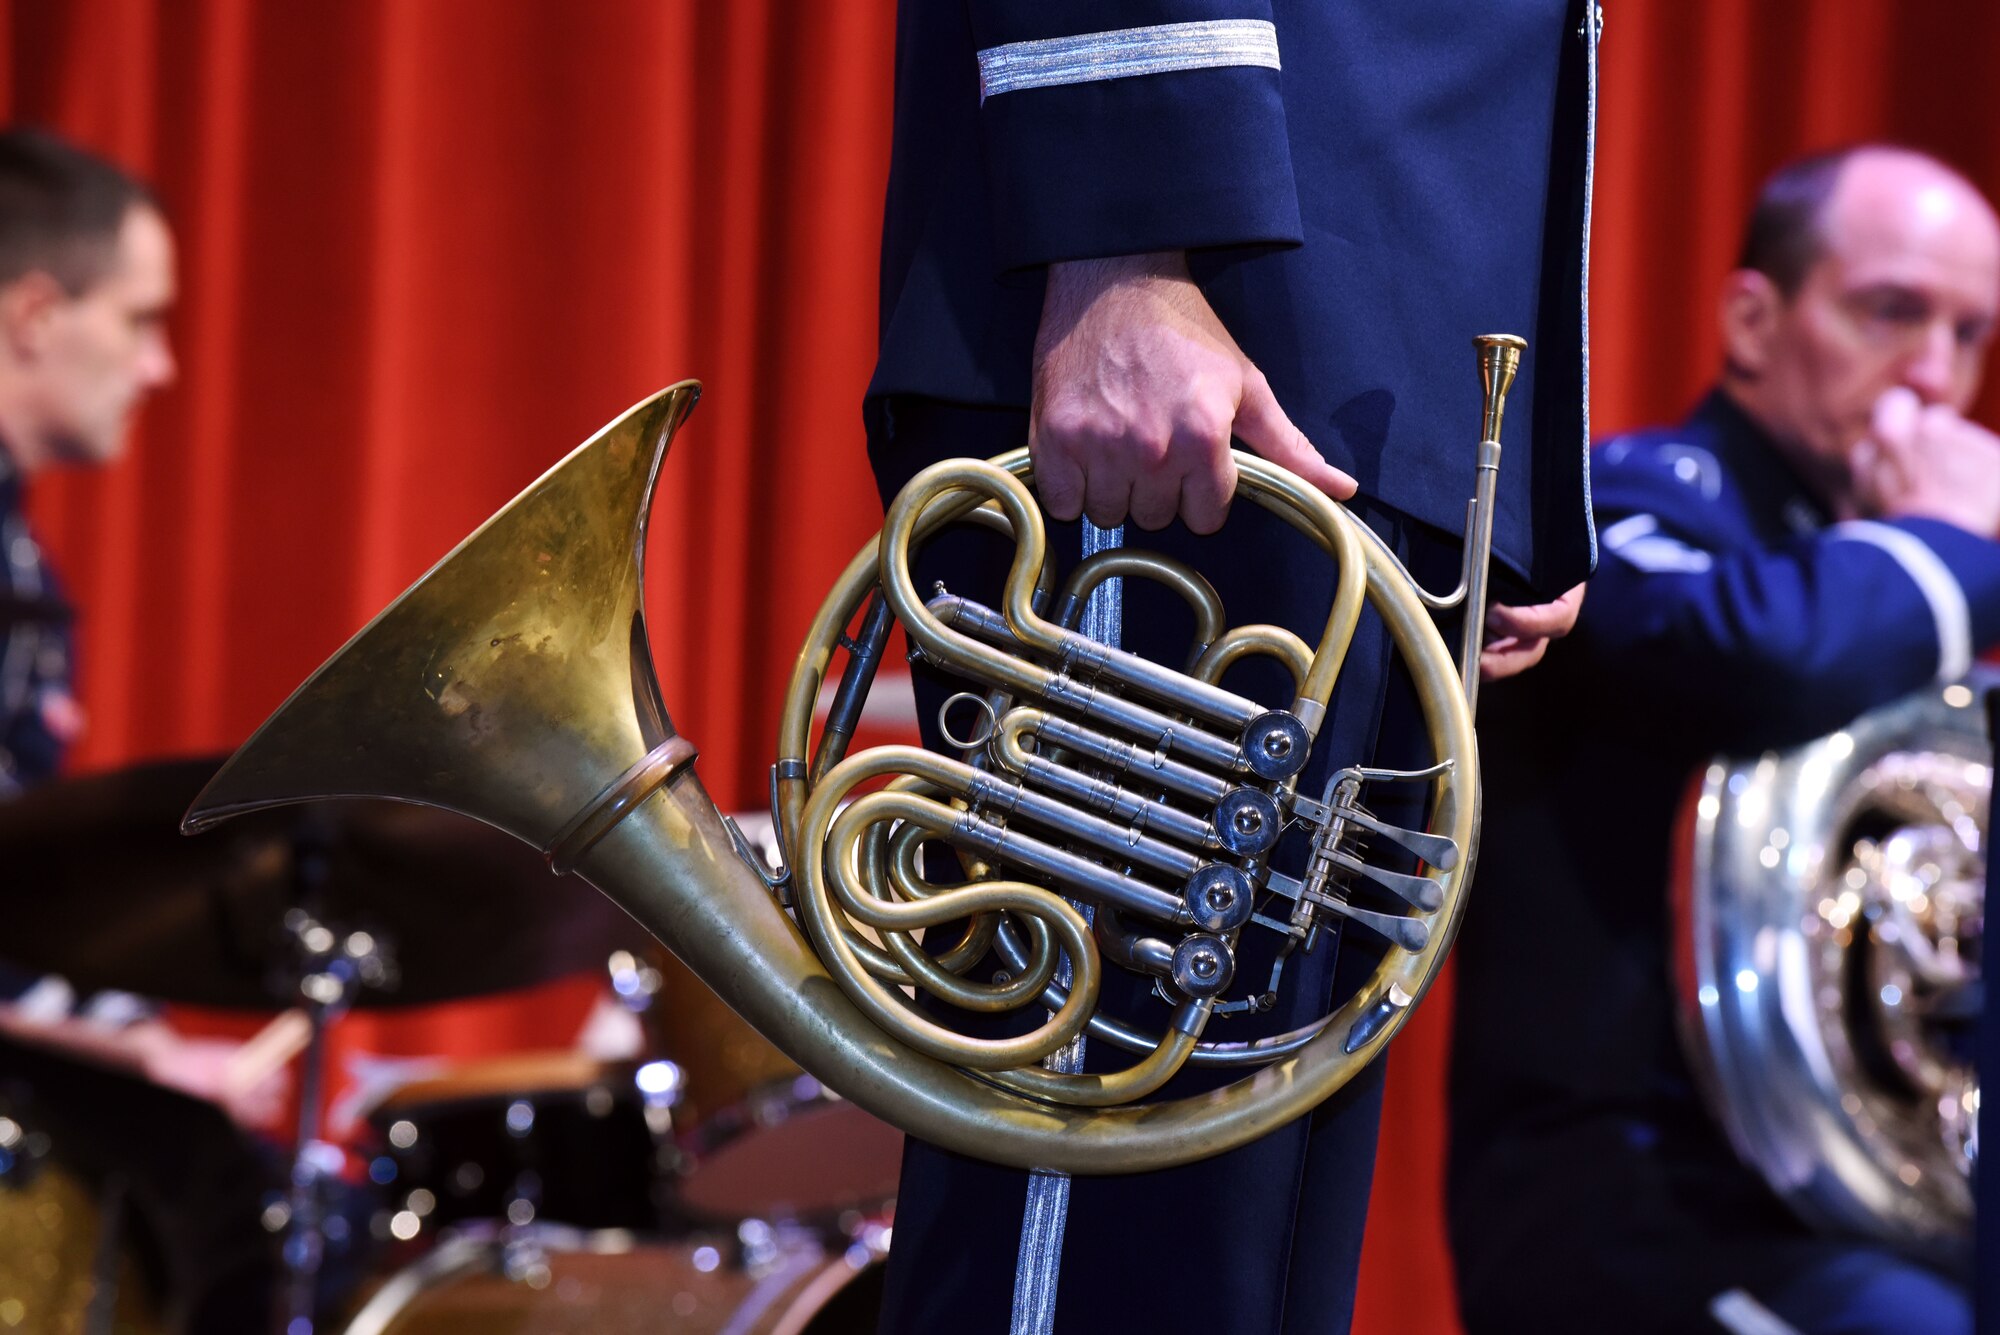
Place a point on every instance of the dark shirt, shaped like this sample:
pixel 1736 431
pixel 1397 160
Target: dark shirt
pixel 36 652
pixel 35 659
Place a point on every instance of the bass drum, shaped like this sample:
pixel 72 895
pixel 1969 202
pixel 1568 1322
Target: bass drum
pixel 55 1255
pixel 124 1206
pixel 550 1136
pixel 546 1280
pixel 1830 903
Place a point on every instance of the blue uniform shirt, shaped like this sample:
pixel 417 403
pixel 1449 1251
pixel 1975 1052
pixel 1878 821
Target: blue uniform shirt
pixel 1743 617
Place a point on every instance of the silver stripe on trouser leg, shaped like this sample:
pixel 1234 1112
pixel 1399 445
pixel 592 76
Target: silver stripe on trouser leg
pixel 1039 1265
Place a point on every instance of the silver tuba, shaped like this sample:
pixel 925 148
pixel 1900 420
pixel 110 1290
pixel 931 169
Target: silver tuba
pixel 1829 904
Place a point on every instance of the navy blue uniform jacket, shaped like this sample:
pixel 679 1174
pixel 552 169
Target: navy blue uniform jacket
pixel 1408 176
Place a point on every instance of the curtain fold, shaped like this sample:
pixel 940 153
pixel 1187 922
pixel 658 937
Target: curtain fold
pixel 429 245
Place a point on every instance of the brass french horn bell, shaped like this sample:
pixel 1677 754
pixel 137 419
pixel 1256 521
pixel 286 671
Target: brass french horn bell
pixel 513 683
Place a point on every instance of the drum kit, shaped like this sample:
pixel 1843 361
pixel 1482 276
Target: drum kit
pixel 705 1185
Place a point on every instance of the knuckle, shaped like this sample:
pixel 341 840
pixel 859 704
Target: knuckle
pixel 1105 515
pixel 1206 519
pixel 1150 442
pixel 1065 423
pixel 1205 425
pixel 1057 489
pixel 1209 404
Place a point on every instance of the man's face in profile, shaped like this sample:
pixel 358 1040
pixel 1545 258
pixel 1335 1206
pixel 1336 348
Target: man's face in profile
pixel 107 346
pixel 1904 294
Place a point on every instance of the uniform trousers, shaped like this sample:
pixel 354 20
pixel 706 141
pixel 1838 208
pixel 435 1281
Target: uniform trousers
pixel 1650 1226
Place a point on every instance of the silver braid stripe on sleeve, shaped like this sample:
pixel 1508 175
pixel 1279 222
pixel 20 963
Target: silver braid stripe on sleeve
pixel 1125 53
pixel 1933 578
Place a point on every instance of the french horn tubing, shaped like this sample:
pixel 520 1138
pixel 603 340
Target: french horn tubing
pixel 1830 910
pixel 513 683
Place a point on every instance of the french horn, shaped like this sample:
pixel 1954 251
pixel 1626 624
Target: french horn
pixel 1111 812
pixel 1830 904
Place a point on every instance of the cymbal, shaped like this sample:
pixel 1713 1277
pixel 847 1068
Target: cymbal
pixel 104 889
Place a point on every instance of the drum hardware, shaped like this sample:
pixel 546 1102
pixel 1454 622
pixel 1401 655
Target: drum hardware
pixel 633 981
pixel 23 1148
pixel 514 683
pixel 330 969
pixel 1830 907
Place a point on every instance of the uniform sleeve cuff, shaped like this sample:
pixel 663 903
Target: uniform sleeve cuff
pixel 1179 160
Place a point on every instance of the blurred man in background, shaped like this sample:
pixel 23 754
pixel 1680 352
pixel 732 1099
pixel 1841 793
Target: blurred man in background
pixel 86 280
pixel 1815 540
pixel 87 277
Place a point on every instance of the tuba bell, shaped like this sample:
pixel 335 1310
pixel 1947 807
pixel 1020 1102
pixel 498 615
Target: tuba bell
pixel 513 683
pixel 1829 905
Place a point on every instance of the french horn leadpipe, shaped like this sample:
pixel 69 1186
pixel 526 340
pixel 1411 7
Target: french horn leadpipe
pixel 1499 360
pixel 513 683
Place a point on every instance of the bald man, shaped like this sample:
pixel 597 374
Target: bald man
pixel 1815 540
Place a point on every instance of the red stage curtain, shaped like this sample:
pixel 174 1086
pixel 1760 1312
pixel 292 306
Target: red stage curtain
pixel 430 244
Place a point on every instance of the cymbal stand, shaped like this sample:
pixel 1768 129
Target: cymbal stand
pixel 331 968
